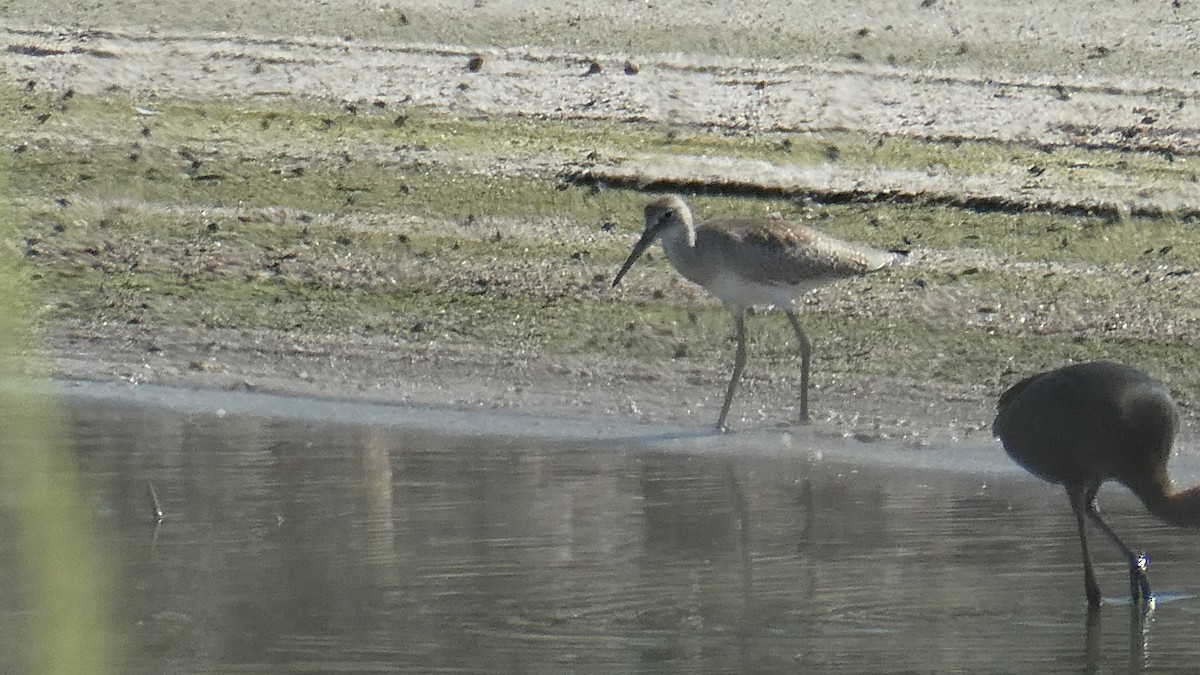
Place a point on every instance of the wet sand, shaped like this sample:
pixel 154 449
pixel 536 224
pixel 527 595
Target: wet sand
pixel 981 460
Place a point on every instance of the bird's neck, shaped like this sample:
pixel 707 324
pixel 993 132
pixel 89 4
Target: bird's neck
pixel 679 242
pixel 1177 508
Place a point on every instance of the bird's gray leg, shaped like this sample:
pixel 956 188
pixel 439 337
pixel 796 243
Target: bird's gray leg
pixel 805 356
pixel 739 362
pixel 1139 585
pixel 1079 505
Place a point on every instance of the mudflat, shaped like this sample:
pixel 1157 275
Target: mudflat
pixel 426 204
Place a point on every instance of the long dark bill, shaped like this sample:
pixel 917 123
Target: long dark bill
pixel 638 248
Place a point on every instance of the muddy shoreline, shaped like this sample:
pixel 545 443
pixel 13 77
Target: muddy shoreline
pixel 972 75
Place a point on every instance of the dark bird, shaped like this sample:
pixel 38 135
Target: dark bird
pixel 752 261
pixel 1088 423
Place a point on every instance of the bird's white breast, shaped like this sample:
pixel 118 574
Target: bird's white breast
pixel 736 290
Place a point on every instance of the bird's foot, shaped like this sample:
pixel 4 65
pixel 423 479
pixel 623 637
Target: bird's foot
pixel 1139 584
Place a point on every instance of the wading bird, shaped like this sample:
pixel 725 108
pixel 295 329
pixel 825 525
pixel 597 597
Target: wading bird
pixel 753 261
pixel 1092 422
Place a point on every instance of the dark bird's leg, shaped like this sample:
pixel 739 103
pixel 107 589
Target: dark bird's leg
pixel 1080 506
pixel 805 356
pixel 1092 642
pixel 1139 585
pixel 739 362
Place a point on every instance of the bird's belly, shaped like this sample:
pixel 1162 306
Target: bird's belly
pixel 741 292
pixel 1048 469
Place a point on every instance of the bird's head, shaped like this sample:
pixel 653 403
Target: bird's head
pixel 662 215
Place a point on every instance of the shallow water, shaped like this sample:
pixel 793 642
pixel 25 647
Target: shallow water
pixel 307 545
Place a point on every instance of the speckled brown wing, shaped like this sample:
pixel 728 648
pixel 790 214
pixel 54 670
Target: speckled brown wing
pixel 777 252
